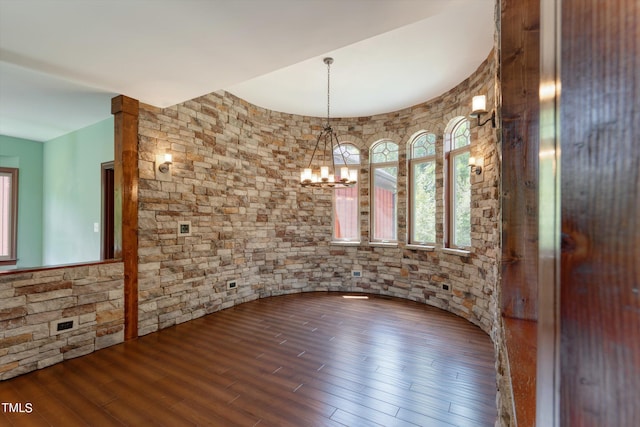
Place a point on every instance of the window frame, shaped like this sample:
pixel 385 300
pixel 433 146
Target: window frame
pixel 450 155
pixel 12 257
pixel 372 172
pixel 338 162
pixel 412 162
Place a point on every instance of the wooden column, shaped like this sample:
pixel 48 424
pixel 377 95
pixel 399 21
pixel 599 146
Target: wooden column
pixel 125 111
pixel 520 77
pixel 600 209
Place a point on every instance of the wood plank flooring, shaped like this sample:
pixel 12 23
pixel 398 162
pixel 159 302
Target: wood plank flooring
pixel 313 359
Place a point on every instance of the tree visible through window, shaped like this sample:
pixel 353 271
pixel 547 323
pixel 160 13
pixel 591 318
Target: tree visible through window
pixel 8 215
pixel 384 171
pixel 457 151
pixel 346 224
pixel 422 189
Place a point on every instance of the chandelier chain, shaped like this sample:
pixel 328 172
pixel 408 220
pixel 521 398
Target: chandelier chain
pixel 328 90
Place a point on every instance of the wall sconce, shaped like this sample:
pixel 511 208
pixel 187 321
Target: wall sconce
pixel 479 107
pixel 475 167
pixel 164 166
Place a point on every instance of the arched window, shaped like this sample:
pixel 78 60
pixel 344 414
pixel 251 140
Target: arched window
pixel 346 220
pixel 384 191
pixel 457 184
pixel 422 189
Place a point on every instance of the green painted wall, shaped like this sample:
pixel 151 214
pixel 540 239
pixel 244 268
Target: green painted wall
pixel 72 193
pixel 27 156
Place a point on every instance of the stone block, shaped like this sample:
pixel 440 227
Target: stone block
pixel 51 305
pixel 109 339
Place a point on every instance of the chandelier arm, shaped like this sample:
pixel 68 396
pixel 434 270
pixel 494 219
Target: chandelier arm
pixel 333 160
pixel 344 160
pixel 315 149
pixel 324 151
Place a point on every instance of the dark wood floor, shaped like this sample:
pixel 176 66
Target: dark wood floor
pixel 300 360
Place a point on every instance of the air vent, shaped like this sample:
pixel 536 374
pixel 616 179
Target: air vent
pixel 60 326
pixel 63 326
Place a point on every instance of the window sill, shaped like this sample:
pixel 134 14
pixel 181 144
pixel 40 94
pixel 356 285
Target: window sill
pixel 458 252
pixel 345 243
pixel 60 266
pixel 427 248
pixel 384 244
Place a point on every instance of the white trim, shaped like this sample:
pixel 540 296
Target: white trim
pixel 459 252
pixel 344 243
pixel 416 247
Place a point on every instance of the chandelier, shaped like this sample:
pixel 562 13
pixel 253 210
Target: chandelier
pixel 326 177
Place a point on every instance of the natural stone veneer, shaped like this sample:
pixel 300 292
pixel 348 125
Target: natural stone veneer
pixel 92 295
pixel 235 177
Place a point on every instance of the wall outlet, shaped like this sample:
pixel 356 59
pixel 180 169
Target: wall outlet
pixel 232 284
pixel 184 228
pixel 356 273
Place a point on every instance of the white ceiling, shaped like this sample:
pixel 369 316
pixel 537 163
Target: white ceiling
pixel 62 61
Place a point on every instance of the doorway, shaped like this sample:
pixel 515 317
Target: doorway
pixel 107 243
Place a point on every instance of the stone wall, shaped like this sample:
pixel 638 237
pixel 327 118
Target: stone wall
pixel 89 295
pixel 235 178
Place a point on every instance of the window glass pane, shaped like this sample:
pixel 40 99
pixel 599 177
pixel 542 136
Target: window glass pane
pixel 461 200
pixel 423 146
pixel 384 151
pixel 385 193
pixel 461 135
pixel 5 215
pixel 346 226
pixel 346 154
pixel 346 222
pixel 424 202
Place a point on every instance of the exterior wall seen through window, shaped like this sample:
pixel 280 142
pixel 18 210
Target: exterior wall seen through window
pixel 422 189
pixel 346 221
pixel 384 185
pixel 458 185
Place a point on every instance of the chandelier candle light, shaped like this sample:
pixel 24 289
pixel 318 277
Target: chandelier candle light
pixel 327 177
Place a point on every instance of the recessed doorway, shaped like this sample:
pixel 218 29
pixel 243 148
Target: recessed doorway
pixel 107 244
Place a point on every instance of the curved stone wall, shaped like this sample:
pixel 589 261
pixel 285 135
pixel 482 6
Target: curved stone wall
pixel 235 178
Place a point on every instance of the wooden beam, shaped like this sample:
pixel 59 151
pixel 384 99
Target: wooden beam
pixel 600 207
pixel 519 80
pixel 520 77
pixel 125 111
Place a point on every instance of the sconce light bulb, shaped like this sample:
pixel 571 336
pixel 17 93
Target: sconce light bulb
pixel 478 105
pixel 164 166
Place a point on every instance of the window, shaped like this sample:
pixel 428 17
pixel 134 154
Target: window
pixel 8 215
pixel 346 224
pixel 458 185
pixel 384 172
pixel 422 189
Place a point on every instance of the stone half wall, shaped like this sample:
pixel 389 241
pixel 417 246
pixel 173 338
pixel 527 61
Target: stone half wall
pixel 235 178
pixel 89 295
